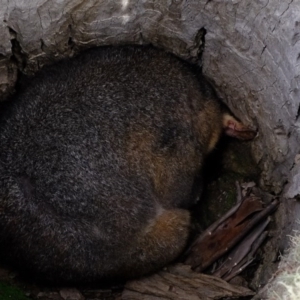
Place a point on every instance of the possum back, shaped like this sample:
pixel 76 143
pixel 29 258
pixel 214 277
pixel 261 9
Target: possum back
pixel 93 149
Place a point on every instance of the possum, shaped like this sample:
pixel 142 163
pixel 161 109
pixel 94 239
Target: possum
pixel 99 155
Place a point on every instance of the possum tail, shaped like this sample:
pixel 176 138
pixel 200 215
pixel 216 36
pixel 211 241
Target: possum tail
pixel 60 248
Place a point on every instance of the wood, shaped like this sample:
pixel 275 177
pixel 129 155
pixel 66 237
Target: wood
pixel 225 233
pixel 180 282
pixel 251 52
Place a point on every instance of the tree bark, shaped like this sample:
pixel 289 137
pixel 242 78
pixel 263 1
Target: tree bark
pixel 251 53
pixel 180 282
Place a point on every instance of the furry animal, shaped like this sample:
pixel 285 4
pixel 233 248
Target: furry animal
pixel 99 155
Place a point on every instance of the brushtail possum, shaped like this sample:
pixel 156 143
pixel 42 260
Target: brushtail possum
pixel 99 154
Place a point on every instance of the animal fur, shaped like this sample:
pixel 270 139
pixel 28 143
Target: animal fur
pixel 98 160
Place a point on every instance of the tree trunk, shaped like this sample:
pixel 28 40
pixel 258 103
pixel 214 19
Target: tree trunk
pixel 251 53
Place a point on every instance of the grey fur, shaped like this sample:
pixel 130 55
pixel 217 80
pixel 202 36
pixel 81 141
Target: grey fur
pixel 97 164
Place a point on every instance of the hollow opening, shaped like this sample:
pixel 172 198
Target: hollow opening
pixel 252 55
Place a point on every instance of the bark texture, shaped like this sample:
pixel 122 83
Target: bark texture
pixel 180 282
pixel 252 52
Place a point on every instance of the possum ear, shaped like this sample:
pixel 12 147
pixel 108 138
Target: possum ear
pixel 235 128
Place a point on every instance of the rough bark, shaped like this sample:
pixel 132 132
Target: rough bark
pixel 180 282
pixel 251 52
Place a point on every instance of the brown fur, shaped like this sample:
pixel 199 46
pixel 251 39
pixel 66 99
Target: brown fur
pixel 99 157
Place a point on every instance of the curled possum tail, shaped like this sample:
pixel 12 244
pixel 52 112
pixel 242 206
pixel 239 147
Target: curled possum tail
pixel 61 248
pixel 37 239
